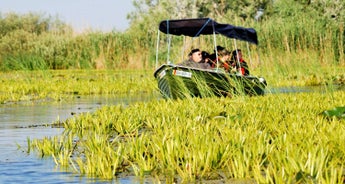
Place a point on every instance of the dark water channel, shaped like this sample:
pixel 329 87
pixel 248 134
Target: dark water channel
pixel 18 122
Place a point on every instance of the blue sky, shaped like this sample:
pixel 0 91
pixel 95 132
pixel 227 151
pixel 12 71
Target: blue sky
pixel 102 15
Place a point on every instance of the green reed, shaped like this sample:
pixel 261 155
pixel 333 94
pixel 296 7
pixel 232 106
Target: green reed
pixel 271 138
pixel 61 85
pixel 279 36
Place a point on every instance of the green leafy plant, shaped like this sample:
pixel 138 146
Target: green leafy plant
pixel 338 112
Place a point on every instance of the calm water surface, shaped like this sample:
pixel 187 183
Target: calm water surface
pixel 20 122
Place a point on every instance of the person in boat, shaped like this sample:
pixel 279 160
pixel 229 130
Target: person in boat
pixel 195 60
pixel 205 57
pixel 213 56
pixel 223 59
pixel 238 63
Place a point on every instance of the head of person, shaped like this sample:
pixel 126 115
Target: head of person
pixel 205 56
pixel 219 48
pixel 224 54
pixel 236 54
pixel 195 55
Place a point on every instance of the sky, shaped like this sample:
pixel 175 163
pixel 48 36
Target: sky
pixel 104 15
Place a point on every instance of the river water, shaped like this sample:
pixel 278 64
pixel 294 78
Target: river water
pixel 22 121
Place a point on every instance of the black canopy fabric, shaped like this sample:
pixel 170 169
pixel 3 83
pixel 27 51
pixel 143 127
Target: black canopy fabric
pixel 207 26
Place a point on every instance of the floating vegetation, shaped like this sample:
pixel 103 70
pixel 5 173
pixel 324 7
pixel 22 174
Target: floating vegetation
pixel 59 85
pixel 266 139
pixel 338 112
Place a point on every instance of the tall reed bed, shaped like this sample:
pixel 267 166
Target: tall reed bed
pixel 300 68
pixel 21 50
pixel 293 33
pixel 301 51
pixel 267 139
pixel 282 35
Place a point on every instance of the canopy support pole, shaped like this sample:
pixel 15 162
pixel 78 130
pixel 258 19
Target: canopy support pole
pixel 237 59
pixel 259 64
pixel 157 47
pixel 215 45
pixel 250 55
pixel 183 48
pixel 169 43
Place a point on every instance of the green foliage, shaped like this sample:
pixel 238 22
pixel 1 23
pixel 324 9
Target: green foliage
pixel 23 62
pixel 16 42
pixel 63 84
pixel 285 25
pixel 32 23
pixel 284 28
pixel 66 51
pixel 35 36
pixel 277 138
pixel 337 112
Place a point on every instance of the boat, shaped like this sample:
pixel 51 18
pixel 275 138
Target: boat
pixel 177 82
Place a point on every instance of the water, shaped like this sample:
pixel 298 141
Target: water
pixel 305 89
pixel 20 122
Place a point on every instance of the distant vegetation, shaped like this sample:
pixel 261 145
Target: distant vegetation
pixel 31 42
pixel 34 41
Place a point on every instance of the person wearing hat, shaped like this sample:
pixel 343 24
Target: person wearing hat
pixel 195 60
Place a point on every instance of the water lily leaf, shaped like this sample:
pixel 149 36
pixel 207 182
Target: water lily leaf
pixel 337 111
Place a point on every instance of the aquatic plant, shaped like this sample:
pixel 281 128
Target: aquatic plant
pixel 281 138
pixel 337 112
pixel 50 85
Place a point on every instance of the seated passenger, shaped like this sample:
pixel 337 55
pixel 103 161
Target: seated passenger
pixel 223 59
pixel 195 60
pixel 213 56
pixel 206 57
pixel 238 62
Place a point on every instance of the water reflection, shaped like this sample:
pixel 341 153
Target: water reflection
pixel 19 122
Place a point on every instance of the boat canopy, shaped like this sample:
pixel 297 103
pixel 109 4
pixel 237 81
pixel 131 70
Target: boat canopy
pixel 207 26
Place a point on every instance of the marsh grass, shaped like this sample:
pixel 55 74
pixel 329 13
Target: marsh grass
pixel 205 85
pixel 65 84
pixel 280 138
pixel 300 68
